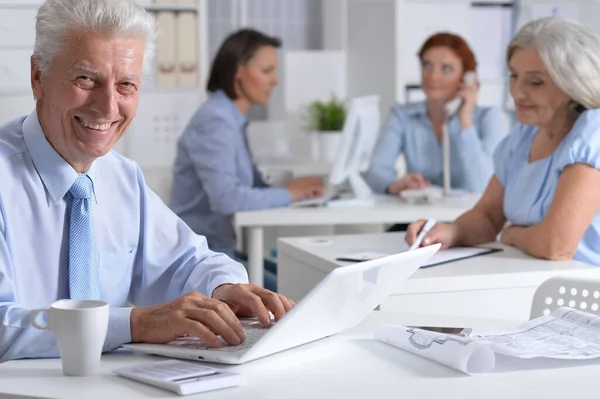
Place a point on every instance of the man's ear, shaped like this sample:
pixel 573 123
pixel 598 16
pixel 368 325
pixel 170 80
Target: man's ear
pixel 36 79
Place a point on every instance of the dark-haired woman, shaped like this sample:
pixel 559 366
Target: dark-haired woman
pixel 214 175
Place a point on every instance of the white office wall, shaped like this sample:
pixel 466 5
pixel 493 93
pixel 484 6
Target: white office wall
pixel 17 35
pixel 334 15
pixel 371 40
pixel 221 22
pixel 296 22
pixel 588 11
pixel 413 28
pixel 15 106
pixel 305 76
pixel 384 36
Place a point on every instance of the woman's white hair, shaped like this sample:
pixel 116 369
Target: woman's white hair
pixel 56 18
pixel 571 53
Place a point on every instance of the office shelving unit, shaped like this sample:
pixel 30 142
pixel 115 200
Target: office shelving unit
pixel 163 111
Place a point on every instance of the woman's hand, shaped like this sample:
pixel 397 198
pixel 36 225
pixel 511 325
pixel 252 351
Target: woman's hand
pixel 443 233
pixel 468 93
pixel 408 181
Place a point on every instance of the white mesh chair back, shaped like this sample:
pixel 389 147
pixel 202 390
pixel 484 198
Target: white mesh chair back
pixel 574 292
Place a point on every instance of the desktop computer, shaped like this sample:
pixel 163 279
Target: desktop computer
pixel 359 136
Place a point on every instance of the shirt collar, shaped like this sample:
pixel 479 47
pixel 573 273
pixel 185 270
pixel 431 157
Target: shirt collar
pixel 417 109
pixel 56 173
pixel 240 119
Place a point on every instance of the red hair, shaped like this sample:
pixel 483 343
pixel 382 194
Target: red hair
pixel 455 43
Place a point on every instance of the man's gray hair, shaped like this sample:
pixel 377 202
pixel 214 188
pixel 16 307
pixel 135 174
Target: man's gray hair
pixel 571 53
pixel 56 18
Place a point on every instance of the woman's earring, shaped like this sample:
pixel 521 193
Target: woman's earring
pixel 577 107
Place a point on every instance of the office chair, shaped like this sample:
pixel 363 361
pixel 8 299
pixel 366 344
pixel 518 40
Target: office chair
pixel 574 292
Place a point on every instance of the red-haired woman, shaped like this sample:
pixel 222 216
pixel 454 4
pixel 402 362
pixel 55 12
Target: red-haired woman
pixel 415 130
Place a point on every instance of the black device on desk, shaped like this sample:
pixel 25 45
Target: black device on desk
pixel 462 331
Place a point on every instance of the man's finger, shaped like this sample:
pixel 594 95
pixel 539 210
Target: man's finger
pixel 256 306
pixel 199 330
pixel 287 304
pixel 228 316
pixel 212 320
pixel 272 301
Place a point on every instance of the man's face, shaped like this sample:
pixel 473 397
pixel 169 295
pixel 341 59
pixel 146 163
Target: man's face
pixel 90 95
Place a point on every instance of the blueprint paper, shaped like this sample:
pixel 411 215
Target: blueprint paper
pixel 565 334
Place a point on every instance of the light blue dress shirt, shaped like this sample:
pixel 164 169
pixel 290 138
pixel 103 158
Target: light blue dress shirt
pixel 145 252
pixel 529 187
pixel 409 131
pixel 214 174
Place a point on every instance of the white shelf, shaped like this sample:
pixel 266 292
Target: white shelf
pixel 171 8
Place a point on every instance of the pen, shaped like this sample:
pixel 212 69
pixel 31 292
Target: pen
pixel 426 229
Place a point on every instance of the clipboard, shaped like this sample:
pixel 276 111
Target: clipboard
pixel 441 257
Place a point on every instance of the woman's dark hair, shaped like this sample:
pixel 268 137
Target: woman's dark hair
pixel 236 50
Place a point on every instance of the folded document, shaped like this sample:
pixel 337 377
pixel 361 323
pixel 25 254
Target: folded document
pixel 565 334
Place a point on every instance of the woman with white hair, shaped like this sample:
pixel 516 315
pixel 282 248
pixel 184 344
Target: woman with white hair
pixel 547 180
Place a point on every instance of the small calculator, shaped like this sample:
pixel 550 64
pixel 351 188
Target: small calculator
pixel 181 377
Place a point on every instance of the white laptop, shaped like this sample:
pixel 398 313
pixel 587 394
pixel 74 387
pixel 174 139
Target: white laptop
pixel 340 301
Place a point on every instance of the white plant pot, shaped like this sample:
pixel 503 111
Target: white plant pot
pixel 329 143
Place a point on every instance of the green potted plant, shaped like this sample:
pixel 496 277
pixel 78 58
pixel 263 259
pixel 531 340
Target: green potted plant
pixel 326 121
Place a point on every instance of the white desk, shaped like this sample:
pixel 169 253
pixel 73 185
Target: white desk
pixel 348 365
pixel 386 209
pixel 498 285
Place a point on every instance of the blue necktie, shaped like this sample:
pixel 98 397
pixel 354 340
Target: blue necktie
pixel 84 282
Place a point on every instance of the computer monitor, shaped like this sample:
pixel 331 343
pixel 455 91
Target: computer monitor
pixel 359 136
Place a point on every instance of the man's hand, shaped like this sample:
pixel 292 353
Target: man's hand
pixel 305 187
pixel 249 300
pixel 193 313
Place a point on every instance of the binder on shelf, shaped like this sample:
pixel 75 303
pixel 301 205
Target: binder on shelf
pixel 187 49
pixel 166 68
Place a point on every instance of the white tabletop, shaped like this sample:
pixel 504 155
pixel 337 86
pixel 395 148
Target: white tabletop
pixel 349 365
pixel 384 209
pixel 508 268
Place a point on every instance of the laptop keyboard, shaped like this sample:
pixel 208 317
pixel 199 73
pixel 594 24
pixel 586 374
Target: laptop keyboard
pixel 253 331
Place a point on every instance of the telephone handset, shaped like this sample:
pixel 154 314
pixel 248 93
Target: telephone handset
pixel 452 106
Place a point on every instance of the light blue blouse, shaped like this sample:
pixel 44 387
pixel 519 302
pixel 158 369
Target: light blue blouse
pixel 214 174
pixel 409 131
pixel 529 187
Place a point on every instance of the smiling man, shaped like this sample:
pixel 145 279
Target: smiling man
pixel 78 221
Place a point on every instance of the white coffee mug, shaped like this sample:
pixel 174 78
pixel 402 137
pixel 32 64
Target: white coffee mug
pixel 80 329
